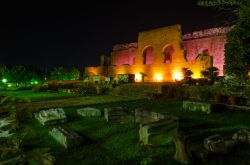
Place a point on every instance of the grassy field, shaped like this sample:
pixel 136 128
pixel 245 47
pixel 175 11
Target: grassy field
pixel 113 144
pixel 38 96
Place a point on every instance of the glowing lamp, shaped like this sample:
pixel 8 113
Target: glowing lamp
pixel 4 80
pixel 138 77
pixel 177 76
pixel 158 77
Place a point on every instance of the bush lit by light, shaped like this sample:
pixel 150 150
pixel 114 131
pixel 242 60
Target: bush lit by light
pixel 177 76
pixel 158 77
pixel 33 82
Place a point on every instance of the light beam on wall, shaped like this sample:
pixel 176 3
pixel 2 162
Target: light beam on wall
pixel 138 77
pixel 195 77
pixel 177 76
pixel 158 77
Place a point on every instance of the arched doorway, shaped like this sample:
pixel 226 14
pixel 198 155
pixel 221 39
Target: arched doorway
pixel 168 51
pixel 148 54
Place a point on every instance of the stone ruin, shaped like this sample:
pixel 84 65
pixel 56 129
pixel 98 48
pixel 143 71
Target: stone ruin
pixel 144 116
pixel 66 137
pixel 51 116
pixel 88 112
pixel 197 106
pixel 242 136
pixel 217 144
pixel 118 115
pixel 160 129
pixel 6 129
pixel 156 128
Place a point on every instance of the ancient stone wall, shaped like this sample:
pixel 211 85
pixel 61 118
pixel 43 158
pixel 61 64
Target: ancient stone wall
pixel 214 45
pixel 161 52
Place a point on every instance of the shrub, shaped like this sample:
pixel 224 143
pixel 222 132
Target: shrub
pixel 53 87
pixel 21 88
pixel 105 88
pixel 90 89
pixel 40 88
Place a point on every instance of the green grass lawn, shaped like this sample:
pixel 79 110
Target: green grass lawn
pixel 113 144
pixel 38 96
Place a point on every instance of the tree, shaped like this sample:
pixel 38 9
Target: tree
pixel 74 74
pixel 22 75
pixel 237 49
pixel 60 73
pixel 18 75
pixel 187 73
pixel 210 73
pixel 217 3
pixel 3 71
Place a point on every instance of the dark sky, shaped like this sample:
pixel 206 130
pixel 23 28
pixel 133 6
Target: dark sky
pixel 76 33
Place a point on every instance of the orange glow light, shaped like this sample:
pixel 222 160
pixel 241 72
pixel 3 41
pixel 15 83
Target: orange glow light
pixel 195 77
pixel 138 77
pixel 158 77
pixel 177 76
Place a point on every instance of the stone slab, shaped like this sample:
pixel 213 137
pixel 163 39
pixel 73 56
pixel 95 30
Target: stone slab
pixel 158 132
pixel 145 116
pixel 217 144
pixel 205 107
pixel 242 136
pixel 51 116
pixel 89 112
pixel 66 137
pixel 6 129
pixel 118 115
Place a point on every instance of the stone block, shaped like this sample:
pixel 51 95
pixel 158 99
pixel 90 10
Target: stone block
pixel 144 116
pixel 89 112
pixel 197 106
pixel 203 107
pixel 158 132
pixel 51 116
pixel 6 129
pixel 66 137
pixel 118 115
pixel 217 144
pixel 242 136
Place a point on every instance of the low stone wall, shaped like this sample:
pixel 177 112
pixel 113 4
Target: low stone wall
pixel 197 106
pixel 203 107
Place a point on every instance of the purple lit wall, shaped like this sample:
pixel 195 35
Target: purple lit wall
pixel 124 54
pixel 215 46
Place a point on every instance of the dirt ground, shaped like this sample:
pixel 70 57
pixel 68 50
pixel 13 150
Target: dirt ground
pixel 77 101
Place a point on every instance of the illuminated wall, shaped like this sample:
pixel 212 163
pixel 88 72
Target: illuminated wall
pixel 158 39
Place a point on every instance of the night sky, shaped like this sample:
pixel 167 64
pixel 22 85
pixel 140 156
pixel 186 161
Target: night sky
pixel 75 34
